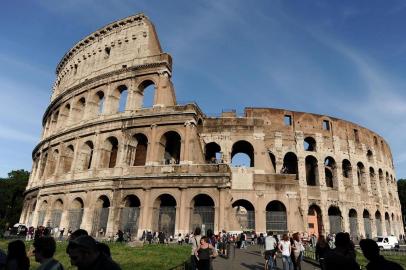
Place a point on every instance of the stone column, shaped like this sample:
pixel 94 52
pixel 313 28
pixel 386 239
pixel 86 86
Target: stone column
pixel 146 212
pixel 153 146
pixel 183 226
pixel 186 146
pixel 164 93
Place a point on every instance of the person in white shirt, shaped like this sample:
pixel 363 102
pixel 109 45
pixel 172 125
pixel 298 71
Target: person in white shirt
pixel 195 240
pixel 285 248
pixel 270 249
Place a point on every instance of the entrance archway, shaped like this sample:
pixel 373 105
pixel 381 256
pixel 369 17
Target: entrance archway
pixel 334 217
pixel 378 223
pixel 276 218
pixel 353 218
pixel 165 214
pixel 130 214
pixel 202 213
pixel 367 224
pixel 245 214
pixel 315 220
pixel 101 216
pixel 56 214
pixel 75 214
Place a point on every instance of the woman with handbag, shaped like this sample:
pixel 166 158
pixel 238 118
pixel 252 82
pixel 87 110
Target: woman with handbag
pixel 204 254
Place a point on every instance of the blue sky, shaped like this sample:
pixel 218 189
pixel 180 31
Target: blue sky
pixel 345 59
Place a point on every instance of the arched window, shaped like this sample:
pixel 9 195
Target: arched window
pixel 68 159
pixel 85 156
pixel 378 223
pixel 290 164
pixel 55 117
pixel 140 149
pixel 367 224
pixel 147 92
pixel 387 224
pixel 312 175
pixel 330 171
pixel 213 153
pixel 372 178
pixel 361 174
pixel 52 163
pixel 109 153
pixel 370 156
pixel 353 218
pixel 170 144
pixel 56 214
pixel 347 169
pixel 242 154
pixel 123 94
pixel 80 109
pixel 41 213
pixel 100 102
pixel 309 144
pixel 64 114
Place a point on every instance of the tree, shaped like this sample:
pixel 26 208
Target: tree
pixel 11 196
pixel 402 195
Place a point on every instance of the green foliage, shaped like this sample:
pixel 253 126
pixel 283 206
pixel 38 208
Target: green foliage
pixel 11 197
pixel 149 257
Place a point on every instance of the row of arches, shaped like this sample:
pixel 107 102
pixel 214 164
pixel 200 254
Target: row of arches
pixel 54 161
pixel 98 102
pixel 335 218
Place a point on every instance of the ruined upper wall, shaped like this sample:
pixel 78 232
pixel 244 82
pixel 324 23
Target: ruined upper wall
pixel 124 43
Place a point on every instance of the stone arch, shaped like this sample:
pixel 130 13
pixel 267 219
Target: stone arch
pixel 55 118
pixel 315 220
pixel 43 165
pixel 146 91
pixel 367 223
pixel 272 158
pixel 244 212
pixel 387 224
pixel 75 214
pixel 212 153
pixel 290 164
pixel 170 147
pixel 309 144
pixel 378 223
pixel 335 219
pixel 109 153
pixel 79 109
pixel 100 216
pixel 361 175
pixel 353 220
pixel 52 163
pixel 98 103
pixel 346 169
pixel 119 98
pixel 56 213
pixel 330 172
pixel 242 148
pixel 138 150
pixel 202 213
pixel 130 214
pixel 165 214
pixel 276 217
pixel 42 212
pixel 312 172
pixel 372 178
pixel 67 159
pixel 64 113
pixel 85 156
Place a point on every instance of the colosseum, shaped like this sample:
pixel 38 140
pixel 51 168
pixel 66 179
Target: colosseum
pixel 108 161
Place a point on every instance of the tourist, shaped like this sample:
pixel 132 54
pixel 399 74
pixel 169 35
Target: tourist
pixel 270 250
pixel 376 261
pixel 285 248
pixel 180 239
pixel 149 237
pixel 243 241
pixel 298 250
pixel 205 252
pixel 85 254
pixel 195 240
pixel 77 233
pixel 44 250
pixel 322 249
pixel 17 256
pixel 120 236
pixel 342 256
pixel 61 234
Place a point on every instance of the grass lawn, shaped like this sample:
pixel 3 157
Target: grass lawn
pixel 394 258
pixel 149 257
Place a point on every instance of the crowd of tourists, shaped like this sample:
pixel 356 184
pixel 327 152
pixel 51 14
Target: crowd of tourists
pixel 83 250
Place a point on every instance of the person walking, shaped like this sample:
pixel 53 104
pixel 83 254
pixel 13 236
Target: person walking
pixel 195 240
pixel 270 250
pixel 204 254
pixel 285 248
pixel 298 250
pixel 322 249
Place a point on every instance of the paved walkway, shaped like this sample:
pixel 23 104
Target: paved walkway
pixel 249 259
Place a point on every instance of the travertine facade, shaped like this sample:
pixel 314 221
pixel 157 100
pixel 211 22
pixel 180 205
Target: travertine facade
pixel 106 162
